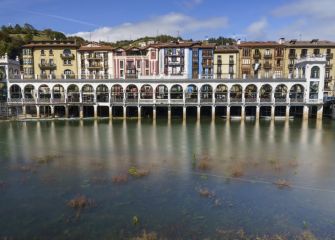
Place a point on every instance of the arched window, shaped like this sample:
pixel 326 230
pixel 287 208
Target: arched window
pixel 315 72
pixel 67 52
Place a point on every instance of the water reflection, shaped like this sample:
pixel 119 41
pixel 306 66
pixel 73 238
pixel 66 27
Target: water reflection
pixel 299 152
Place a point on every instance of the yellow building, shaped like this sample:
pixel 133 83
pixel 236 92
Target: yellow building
pixel 50 59
pixel 299 49
pixel 226 62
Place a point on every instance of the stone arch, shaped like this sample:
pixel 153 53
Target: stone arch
pixel 250 92
pixel 102 93
pixel 117 93
pixel 29 91
pixel 191 93
pixel 236 93
pixel 265 93
pixel 15 91
pixel 58 92
pixel 221 93
pixel 315 72
pixel 176 92
pixel 73 93
pixel 206 93
pixel 297 93
pixel 44 92
pixel 147 92
pixel 162 92
pixel 281 93
pixel 132 93
pixel 87 93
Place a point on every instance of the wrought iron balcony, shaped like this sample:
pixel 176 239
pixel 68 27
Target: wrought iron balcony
pixel 47 66
pixel 67 56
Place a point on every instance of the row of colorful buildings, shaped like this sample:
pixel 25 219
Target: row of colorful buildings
pixel 174 60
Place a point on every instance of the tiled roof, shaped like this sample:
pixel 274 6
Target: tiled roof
pixel 94 47
pixel 51 44
pixel 226 49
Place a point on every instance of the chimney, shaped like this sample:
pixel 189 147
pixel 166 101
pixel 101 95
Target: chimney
pixel 281 40
pixel 238 41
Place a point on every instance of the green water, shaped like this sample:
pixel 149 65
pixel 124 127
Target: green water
pixel 43 165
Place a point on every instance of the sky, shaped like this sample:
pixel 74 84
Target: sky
pixel 111 20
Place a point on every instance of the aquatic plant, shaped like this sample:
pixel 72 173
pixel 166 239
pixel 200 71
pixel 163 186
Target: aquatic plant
pixel 282 183
pixel 81 202
pixel 123 178
pixel 307 235
pixel 46 159
pixel 237 170
pixel 147 236
pixel 136 220
pixel 204 163
pixel 133 171
pixel 204 192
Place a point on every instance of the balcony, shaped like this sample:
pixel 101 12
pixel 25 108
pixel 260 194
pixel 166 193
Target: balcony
pixel 291 66
pixel 219 62
pixel 47 66
pixel 329 78
pixel 329 56
pixel 67 56
pixel 279 55
pixel 257 56
pixel 292 55
pixel 328 66
pixel 94 66
pixel 303 55
pixel 94 57
pixel 231 61
pixel 267 65
pixel 268 56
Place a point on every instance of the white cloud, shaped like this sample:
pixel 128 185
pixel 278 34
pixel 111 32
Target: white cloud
pixel 167 24
pixel 309 19
pixel 257 30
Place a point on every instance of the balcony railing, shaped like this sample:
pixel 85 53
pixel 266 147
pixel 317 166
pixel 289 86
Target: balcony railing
pixel 268 56
pixel 330 56
pixel 257 56
pixel 267 65
pixel 67 56
pixel 292 55
pixel 46 65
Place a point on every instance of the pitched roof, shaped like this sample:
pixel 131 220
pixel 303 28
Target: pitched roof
pixel 53 43
pixel 95 47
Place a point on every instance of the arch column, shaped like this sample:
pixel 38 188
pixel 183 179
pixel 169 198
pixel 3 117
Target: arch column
pixel 24 112
pixel 198 113
pixel 124 112
pixel 228 113
pixel 66 111
pixel 169 113
pixel 213 112
pixel 52 108
pixel 95 108
pixel 257 112
pixel 110 112
pixel 139 112
pixel 38 111
pixel 242 112
pixel 154 113
pixel 287 114
pixel 319 113
pixel 81 111
pixel 306 112
pixel 272 112
pixel 184 113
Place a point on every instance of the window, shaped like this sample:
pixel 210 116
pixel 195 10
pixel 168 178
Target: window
pixel 138 63
pixel 67 62
pixel 147 63
pixel 153 54
pixel 67 72
pixel 51 53
pixel 246 61
pixel 67 52
pixel 42 52
pixel 315 72
pixel 246 52
pixel 278 62
pixel 303 52
pixel 267 52
pixel 278 74
pixel 316 51
pixel 121 64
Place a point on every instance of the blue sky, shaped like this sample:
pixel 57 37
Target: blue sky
pixel 114 20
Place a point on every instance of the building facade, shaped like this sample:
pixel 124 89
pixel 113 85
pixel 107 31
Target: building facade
pixel 226 62
pixel 50 59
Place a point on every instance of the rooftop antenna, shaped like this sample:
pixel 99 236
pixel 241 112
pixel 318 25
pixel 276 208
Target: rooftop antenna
pixel 178 34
